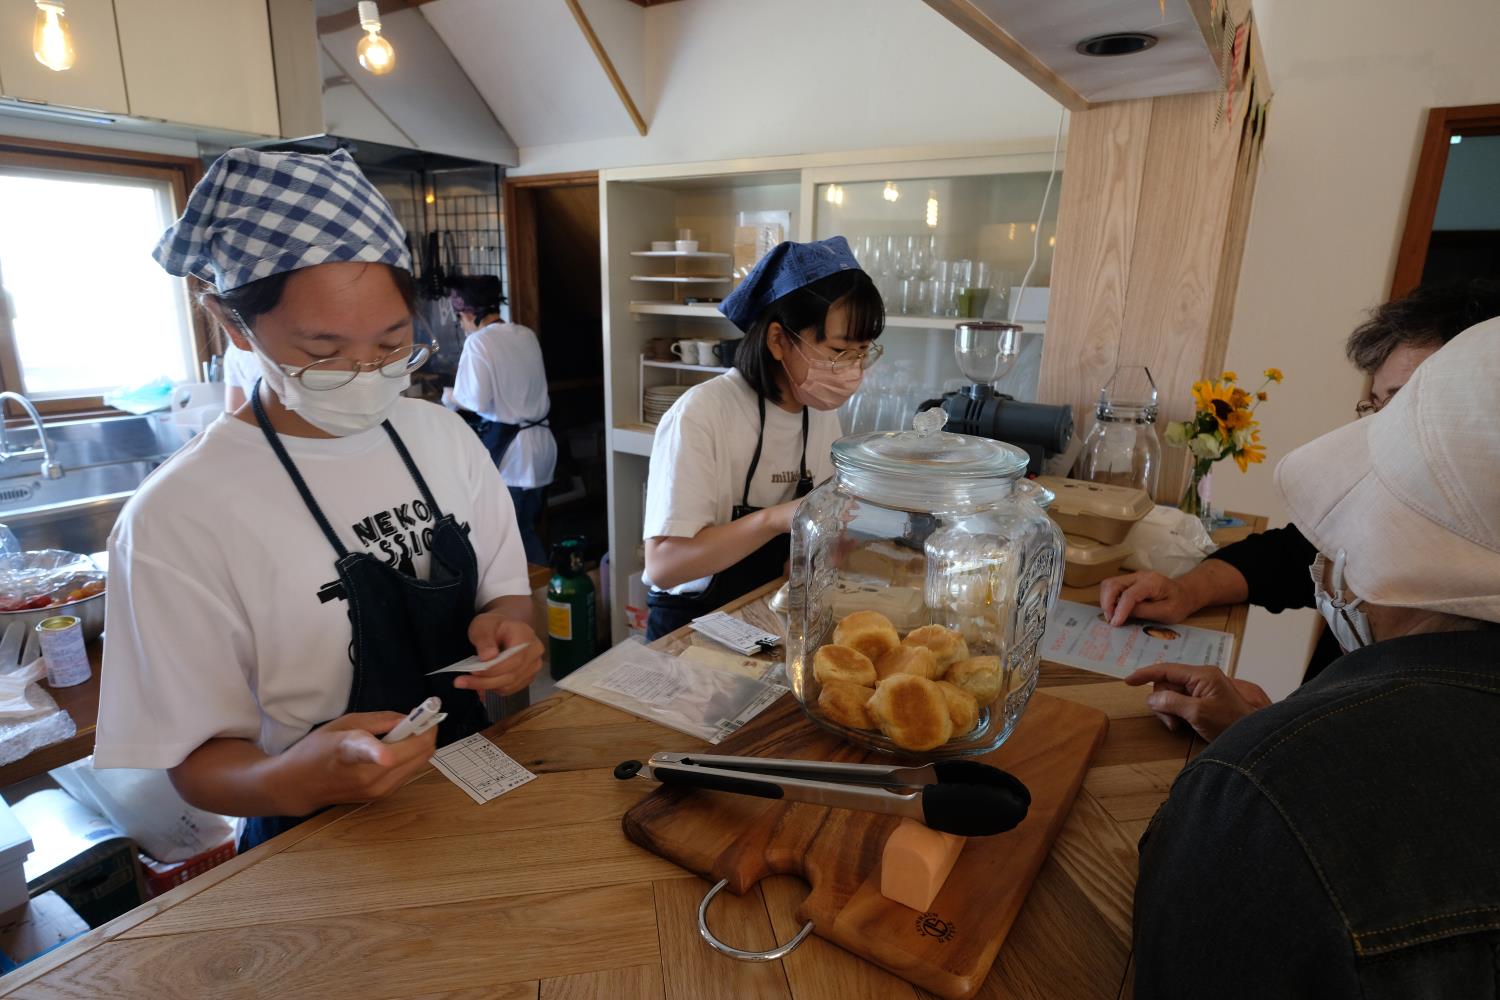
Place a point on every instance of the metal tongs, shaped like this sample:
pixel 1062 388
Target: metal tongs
pixel 962 797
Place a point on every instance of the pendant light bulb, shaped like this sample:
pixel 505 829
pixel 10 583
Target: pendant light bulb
pixel 932 211
pixel 52 39
pixel 375 53
pixel 891 192
pixel 834 195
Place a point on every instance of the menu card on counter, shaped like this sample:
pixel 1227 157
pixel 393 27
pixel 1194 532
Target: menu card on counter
pixel 702 699
pixel 1078 636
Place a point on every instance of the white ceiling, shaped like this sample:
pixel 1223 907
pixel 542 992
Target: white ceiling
pixel 537 73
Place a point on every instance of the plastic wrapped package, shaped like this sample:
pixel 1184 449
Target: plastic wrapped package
pixel 43 578
pixel 145 805
pixel 689 696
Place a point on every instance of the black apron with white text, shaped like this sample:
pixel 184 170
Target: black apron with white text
pixel 670 612
pixel 401 627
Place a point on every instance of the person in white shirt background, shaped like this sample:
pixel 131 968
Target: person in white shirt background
pixel 281 588
pixel 734 456
pixel 240 372
pixel 501 379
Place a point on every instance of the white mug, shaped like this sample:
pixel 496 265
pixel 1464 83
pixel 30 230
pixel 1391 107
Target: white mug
pixel 706 355
pixel 686 351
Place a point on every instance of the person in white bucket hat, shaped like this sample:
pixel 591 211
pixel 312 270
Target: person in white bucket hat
pixel 1346 841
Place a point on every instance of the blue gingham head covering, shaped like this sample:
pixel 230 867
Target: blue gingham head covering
pixel 256 214
pixel 788 267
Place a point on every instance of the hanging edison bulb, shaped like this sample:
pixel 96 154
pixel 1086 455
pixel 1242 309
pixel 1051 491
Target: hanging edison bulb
pixel 52 39
pixel 932 211
pixel 834 195
pixel 891 192
pixel 375 53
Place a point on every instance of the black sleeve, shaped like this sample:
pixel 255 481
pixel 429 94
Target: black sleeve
pixel 1228 904
pixel 1274 563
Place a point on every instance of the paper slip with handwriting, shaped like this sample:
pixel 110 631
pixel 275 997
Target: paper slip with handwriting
pixel 1078 636
pixel 740 636
pixel 480 768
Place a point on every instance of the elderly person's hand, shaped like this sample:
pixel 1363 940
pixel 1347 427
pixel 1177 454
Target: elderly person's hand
pixel 1203 697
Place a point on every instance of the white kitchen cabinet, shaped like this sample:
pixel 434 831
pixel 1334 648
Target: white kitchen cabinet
pixel 95 82
pixel 199 62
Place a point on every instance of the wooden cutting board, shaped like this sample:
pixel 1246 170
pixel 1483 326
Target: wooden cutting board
pixel 948 950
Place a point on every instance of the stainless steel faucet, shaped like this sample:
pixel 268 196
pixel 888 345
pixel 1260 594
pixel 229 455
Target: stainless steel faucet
pixel 50 469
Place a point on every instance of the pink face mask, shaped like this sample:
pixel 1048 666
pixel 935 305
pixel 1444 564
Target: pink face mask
pixel 823 388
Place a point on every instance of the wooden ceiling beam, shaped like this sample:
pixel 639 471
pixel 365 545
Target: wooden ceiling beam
pixel 350 18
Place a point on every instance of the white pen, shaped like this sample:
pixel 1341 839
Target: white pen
pixel 417 721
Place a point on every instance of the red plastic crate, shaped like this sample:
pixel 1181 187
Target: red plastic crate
pixel 160 876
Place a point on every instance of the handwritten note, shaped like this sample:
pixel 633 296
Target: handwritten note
pixel 480 768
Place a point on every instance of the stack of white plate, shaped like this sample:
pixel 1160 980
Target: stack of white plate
pixel 658 399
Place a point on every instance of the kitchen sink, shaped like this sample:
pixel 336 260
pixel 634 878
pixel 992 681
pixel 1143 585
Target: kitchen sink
pixel 104 461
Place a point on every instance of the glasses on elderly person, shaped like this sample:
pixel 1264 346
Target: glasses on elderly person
pixel 1365 407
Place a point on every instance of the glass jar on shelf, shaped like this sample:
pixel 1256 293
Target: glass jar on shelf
pixel 943 539
pixel 1122 448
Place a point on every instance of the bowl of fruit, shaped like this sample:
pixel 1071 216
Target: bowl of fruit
pixel 38 585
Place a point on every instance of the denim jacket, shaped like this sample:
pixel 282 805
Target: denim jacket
pixel 1342 843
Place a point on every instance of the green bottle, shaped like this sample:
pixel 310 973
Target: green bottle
pixel 570 609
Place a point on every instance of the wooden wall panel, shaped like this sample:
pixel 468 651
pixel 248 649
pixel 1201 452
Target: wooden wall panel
pixel 1096 223
pixel 1151 227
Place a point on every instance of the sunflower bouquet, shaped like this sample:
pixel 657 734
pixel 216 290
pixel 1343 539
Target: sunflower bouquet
pixel 1223 426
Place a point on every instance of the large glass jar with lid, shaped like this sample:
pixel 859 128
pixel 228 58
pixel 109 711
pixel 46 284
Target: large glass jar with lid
pixel 1122 449
pixel 939 535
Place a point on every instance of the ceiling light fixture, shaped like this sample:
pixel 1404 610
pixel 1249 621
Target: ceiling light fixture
pixel 1116 43
pixel 834 195
pixel 375 53
pixel 891 192
pixel 932 210
pixel 52 39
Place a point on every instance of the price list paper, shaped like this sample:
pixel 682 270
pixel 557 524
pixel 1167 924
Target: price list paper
pixel 480 768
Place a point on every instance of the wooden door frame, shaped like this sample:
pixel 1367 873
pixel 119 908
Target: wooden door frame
pixel 1421 211
pixel 520 239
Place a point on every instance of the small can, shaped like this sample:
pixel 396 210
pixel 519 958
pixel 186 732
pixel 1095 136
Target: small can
pixel 61 637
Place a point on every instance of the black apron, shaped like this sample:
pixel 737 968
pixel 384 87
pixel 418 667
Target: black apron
pixel 498 437
pixel 670 612
pixel 401 627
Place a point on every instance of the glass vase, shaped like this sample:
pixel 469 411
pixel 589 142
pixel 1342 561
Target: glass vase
pixel 1195 498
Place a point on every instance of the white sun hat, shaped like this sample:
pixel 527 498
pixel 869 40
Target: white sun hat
pixel 1412 493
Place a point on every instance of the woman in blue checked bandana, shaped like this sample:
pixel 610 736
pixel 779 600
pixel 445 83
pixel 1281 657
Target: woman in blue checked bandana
pixel 283 587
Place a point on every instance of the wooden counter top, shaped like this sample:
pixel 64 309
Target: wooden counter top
pixel 539 894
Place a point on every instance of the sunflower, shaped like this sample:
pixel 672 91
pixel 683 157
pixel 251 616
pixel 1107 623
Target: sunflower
pixel 1274 374
pixel 1229 377
pixel 1252 454
pixel 1213 398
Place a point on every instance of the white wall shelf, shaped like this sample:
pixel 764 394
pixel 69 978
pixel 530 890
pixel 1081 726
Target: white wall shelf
pixel 696 310
pixel 682 367
pixel 633 439
pixel 684 279
pixel 682 254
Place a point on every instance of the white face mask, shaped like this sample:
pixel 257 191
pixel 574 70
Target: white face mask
pixel 1350 626
pixel 350 409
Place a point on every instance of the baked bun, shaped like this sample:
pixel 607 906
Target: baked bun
pixel 980 676
pixel 946 645
pixel 908 660
pixel 845 703
pixel 962 708
pixel 868 632
pixel 840 663
pixel 912 712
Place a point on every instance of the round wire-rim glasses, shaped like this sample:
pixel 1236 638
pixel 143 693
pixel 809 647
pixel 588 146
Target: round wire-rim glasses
pixel 335 373
pixel 843 359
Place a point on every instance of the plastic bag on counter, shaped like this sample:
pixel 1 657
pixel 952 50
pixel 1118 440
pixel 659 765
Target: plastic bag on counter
pixel 46 577
pixel 1168 541
pixel 691 697
pixel 144 804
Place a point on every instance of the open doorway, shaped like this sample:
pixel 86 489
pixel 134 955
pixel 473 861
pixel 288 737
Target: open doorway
pixel 552 241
